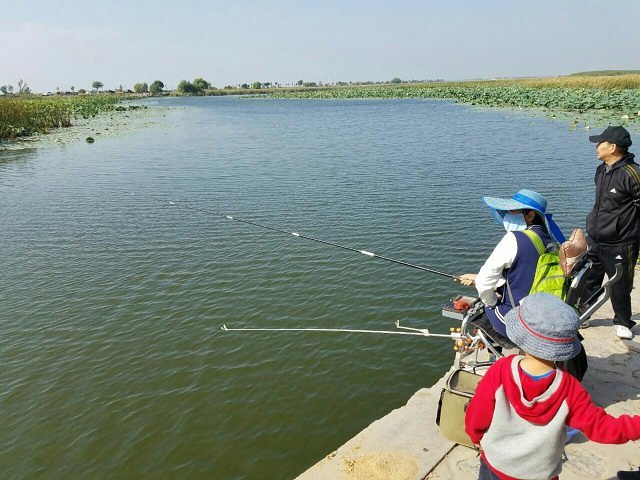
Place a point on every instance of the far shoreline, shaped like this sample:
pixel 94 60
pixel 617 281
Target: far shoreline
pixel 590 101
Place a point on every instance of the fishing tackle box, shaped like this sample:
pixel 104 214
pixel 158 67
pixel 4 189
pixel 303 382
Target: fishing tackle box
pixel 448 310
pixel 454 398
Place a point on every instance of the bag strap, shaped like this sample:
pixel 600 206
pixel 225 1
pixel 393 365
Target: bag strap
pixel 536 240
pixel 513 303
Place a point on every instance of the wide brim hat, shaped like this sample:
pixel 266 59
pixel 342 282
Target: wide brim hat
pixel 525 200
pixel 545 327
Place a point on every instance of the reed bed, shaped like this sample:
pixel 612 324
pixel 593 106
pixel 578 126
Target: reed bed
pixel 24 116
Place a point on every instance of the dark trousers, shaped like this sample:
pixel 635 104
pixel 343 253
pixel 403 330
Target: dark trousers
pixel 604 258
pixel 576 366
pixel 487 474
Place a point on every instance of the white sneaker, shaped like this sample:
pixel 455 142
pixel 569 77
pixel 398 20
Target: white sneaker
pixel 623 332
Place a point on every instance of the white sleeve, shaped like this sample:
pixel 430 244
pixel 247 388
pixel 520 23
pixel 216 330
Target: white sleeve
pixel 490 275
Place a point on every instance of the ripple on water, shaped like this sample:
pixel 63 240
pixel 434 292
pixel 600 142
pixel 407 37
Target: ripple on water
pixel 114 361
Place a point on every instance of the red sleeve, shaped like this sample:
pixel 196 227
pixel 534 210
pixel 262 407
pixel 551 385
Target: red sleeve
pixel 597 424
pixel 480 409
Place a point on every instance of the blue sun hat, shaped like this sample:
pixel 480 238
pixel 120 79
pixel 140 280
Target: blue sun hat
pixel 545 327
pixel 525 200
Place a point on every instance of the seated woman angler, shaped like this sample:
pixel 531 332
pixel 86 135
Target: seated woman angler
pixel 507 275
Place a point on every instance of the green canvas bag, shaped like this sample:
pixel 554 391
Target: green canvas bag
pixel 452 407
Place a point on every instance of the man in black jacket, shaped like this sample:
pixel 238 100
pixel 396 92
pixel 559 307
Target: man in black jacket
pixel 614 223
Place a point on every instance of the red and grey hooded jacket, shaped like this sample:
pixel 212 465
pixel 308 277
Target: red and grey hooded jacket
pixel 519 421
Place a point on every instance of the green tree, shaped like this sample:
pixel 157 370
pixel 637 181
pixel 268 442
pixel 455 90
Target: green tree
pixel 396 80
pixel 23 88
pixel 201 84
pixel 256 85
pixel 97 85
pixel 4 89
pixel 156 87
pixel 141 88
pixel 299 83
pixel 187 88
pixel 244 85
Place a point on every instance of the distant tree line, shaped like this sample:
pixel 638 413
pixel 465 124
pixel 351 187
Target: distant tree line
pixel 156 88
pixel 605 73
pixel 308 84
pixel 23 89
pixel 198 86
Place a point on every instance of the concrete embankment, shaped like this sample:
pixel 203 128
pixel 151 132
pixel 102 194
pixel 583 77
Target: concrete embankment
pixel 406 444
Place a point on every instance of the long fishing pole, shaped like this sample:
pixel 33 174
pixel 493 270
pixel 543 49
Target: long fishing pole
pixel 306 237
pixel 422 332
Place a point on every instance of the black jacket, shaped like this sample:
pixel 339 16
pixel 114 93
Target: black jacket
pixel 615 217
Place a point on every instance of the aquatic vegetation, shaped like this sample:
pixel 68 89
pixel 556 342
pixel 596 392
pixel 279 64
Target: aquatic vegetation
pixel 599 73
pixel 613 99
pixel 24 116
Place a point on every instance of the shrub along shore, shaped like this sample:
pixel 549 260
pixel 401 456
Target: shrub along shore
pixel 21 116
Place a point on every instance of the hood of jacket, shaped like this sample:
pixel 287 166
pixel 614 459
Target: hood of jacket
pixel 536 403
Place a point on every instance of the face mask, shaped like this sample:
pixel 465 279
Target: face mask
pixel 514 222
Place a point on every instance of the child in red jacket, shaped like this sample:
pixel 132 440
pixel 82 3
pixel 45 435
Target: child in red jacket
pixel 522 406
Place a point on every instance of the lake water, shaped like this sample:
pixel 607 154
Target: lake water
pixel 113 361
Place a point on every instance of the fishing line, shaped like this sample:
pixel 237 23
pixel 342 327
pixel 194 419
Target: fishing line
pixel 296 234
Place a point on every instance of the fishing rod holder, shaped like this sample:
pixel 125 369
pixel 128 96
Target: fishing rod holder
pixel 424 331
pixel 469 338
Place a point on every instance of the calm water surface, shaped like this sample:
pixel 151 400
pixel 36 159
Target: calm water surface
pixel 113 361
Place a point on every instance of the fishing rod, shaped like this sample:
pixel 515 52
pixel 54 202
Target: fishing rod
pixel 299 235
pixel 464 339
pixel 466 342
pixel 422 332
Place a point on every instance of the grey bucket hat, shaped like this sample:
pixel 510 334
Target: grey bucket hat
pixel 545 327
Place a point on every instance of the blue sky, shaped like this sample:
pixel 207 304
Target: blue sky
pixel 64 43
